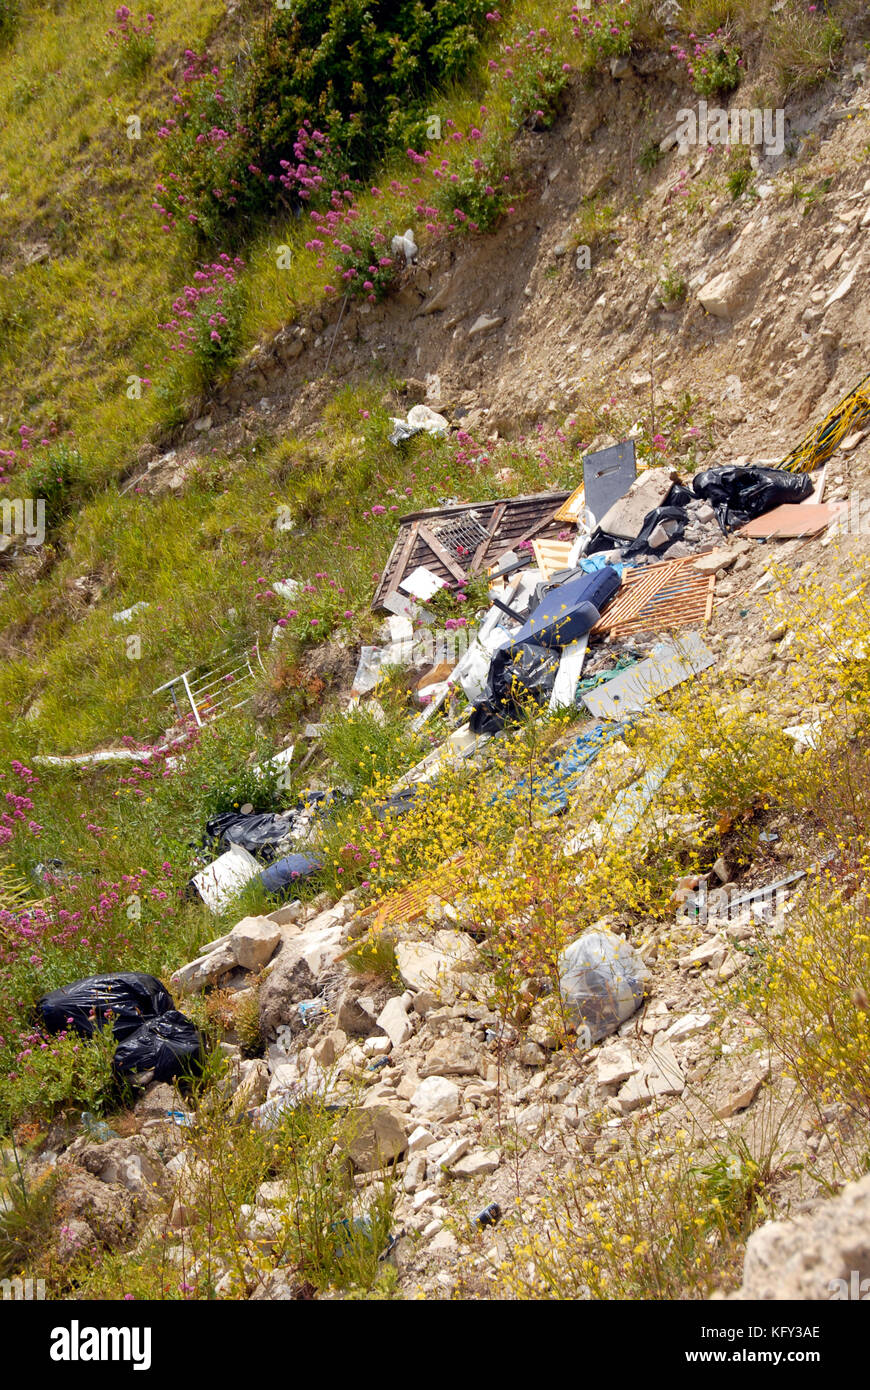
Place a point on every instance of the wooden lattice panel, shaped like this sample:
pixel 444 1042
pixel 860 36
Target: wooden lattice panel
pixel 669 595
pixel 501 525
pixel 408 906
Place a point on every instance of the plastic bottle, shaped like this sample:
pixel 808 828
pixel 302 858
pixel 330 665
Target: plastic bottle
pixel 96 1128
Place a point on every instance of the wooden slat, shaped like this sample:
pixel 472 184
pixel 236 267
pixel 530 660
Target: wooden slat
pixel 412 903
pixel 708 612
pixel 448 561
pixel 491 531
pixel 540 525
pixel 637 586
pixel 572 510
pixel 402 560
pixel 792 519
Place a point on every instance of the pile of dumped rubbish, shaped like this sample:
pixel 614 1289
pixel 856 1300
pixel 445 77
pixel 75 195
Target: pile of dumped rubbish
pixel 596 603
pixel 154 1041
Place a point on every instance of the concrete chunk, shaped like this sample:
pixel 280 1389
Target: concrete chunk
pixel 648 491
pixel 253 941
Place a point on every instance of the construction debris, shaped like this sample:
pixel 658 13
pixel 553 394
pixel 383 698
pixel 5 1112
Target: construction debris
pixel 667 665
pixel 458 542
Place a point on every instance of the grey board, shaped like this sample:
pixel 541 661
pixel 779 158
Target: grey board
pixel 607 476
pixel 667 664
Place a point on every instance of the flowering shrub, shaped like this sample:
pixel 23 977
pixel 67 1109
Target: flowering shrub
pixel 812 999
pixel 606 31
pixel 329 88
pixel 537 78
pixel 134 43
pixel 713 63
pixel 306 173
pixel 365 265
pixel 206 318
pixel 475 186
pixel 203 183
pixel 60 1070
pixel 319 609
pixel 54 475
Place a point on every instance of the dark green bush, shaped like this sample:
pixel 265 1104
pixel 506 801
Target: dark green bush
pixel 359 69
pixel 355 73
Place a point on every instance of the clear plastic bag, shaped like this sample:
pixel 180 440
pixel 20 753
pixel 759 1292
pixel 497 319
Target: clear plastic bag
pixel 601 978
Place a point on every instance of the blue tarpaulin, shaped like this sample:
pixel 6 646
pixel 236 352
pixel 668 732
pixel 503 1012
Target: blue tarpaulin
pixel 551 791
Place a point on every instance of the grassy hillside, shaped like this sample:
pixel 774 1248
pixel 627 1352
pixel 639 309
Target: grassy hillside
pixel 138 279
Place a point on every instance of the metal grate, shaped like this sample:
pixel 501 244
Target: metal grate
pixel 461 535
pixel 211 690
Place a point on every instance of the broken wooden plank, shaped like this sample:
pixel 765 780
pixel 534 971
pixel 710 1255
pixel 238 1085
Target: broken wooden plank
pixel 492 529
pixel 667 665
pixel 404 548
pixel 442 552
pixel 792 521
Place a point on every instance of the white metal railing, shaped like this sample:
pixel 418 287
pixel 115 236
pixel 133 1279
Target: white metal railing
pixel 210 690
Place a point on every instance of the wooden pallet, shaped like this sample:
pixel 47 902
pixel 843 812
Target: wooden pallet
pixel 551 556
pixel 664 596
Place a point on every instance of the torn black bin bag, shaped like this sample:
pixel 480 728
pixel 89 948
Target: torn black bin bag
pixel 163 1048
pixel 674 520
pixel 259 833
pixel 152 1035
pixel 600 540
pixel 679 496
pixel 130 997
pixel 738 495
pixel 517 673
